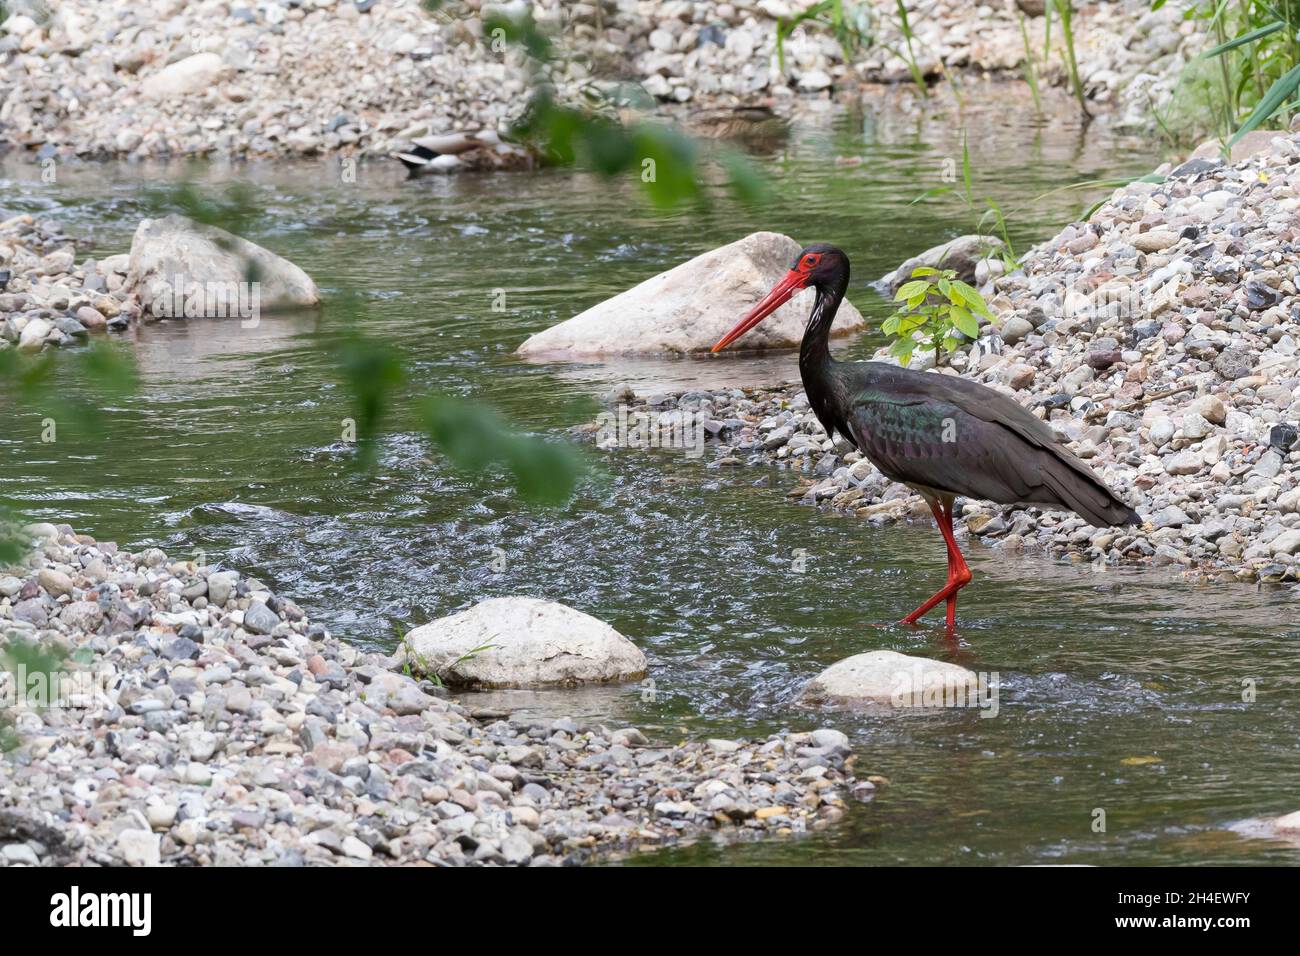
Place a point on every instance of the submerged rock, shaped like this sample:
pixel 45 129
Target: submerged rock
pixel 522 642
pixel 887 677
pixel 183 268
pixel 689 307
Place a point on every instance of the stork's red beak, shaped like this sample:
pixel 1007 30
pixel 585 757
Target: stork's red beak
pixel 788 286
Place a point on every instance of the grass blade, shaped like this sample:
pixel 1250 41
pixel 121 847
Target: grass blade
pixel 1242 40
pixel 1277 94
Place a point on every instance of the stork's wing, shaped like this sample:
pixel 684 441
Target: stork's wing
pixel 954 435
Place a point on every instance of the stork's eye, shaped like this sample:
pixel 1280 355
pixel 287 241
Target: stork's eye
pixel 809 262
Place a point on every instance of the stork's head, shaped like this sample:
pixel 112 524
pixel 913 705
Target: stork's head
pixel 815 265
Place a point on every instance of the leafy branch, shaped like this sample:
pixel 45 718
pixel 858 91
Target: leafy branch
pixel 938 312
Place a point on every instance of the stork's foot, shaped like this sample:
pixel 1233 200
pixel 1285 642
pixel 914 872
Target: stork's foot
pixel 957 579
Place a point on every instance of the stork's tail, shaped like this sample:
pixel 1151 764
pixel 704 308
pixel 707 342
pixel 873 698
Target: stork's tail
pixel 1084 493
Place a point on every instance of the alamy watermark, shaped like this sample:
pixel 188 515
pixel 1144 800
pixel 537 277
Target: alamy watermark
pixel 26 688
pixel 930 688
pixel 623 428
pixel 75 909
pixel 182 297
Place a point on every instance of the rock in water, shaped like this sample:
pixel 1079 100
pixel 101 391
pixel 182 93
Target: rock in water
pixel 890 678
pixel 535 643
pixel 181 267
pixel 689 307
pixel 962 255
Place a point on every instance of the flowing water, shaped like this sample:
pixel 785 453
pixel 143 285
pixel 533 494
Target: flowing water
pixel 1120 690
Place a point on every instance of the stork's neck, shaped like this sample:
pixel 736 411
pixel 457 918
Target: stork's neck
pixel 815 350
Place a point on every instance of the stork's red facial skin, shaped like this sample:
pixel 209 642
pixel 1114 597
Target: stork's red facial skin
pixel 797 278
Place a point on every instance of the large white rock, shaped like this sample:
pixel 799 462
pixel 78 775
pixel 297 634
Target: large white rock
pixel 536 643
pixel 186 77
pixel 174 257
pixel 891 679
pixel 691 306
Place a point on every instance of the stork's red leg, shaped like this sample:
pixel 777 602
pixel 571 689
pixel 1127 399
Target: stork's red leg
pixel 958 573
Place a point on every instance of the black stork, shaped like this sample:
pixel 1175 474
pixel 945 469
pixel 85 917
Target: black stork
pixel 942 435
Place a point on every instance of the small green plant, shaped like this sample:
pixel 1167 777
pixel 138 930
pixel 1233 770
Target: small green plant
pixel 424 668
pixel 937 311
pixel 1031 66
pixel 850 23
pixel 908 53
pixel 1065 11
pixel 991 221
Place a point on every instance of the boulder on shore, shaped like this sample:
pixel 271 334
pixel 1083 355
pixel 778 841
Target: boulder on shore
pixel 521 642
pixel 184 78
pixel 961 255
pixel 183 268
pixel 691 306
pixel 892 679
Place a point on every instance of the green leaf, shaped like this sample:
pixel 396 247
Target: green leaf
pixel 606 146
pixel 109 370
pixel 665 164
pixel 971 297
pixel 372 373
pixel 1245 38
pixel 475 438
pixel 746 180
pixel 520 31
pixel 931 193
pixel 910 289
pixel 965 323
pixel 1277 94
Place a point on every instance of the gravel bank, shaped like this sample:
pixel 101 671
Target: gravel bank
pixel 1162 339
pixel 99 78
pixel 224 727
pixel 47 297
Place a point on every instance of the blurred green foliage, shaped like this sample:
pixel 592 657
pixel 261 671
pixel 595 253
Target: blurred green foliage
pixel 1249 78
pixel 31 381
pixel 12 542
pixel 31 666
pixel 474 438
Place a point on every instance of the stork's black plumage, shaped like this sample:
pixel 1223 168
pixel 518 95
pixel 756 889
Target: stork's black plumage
pixel 943 435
